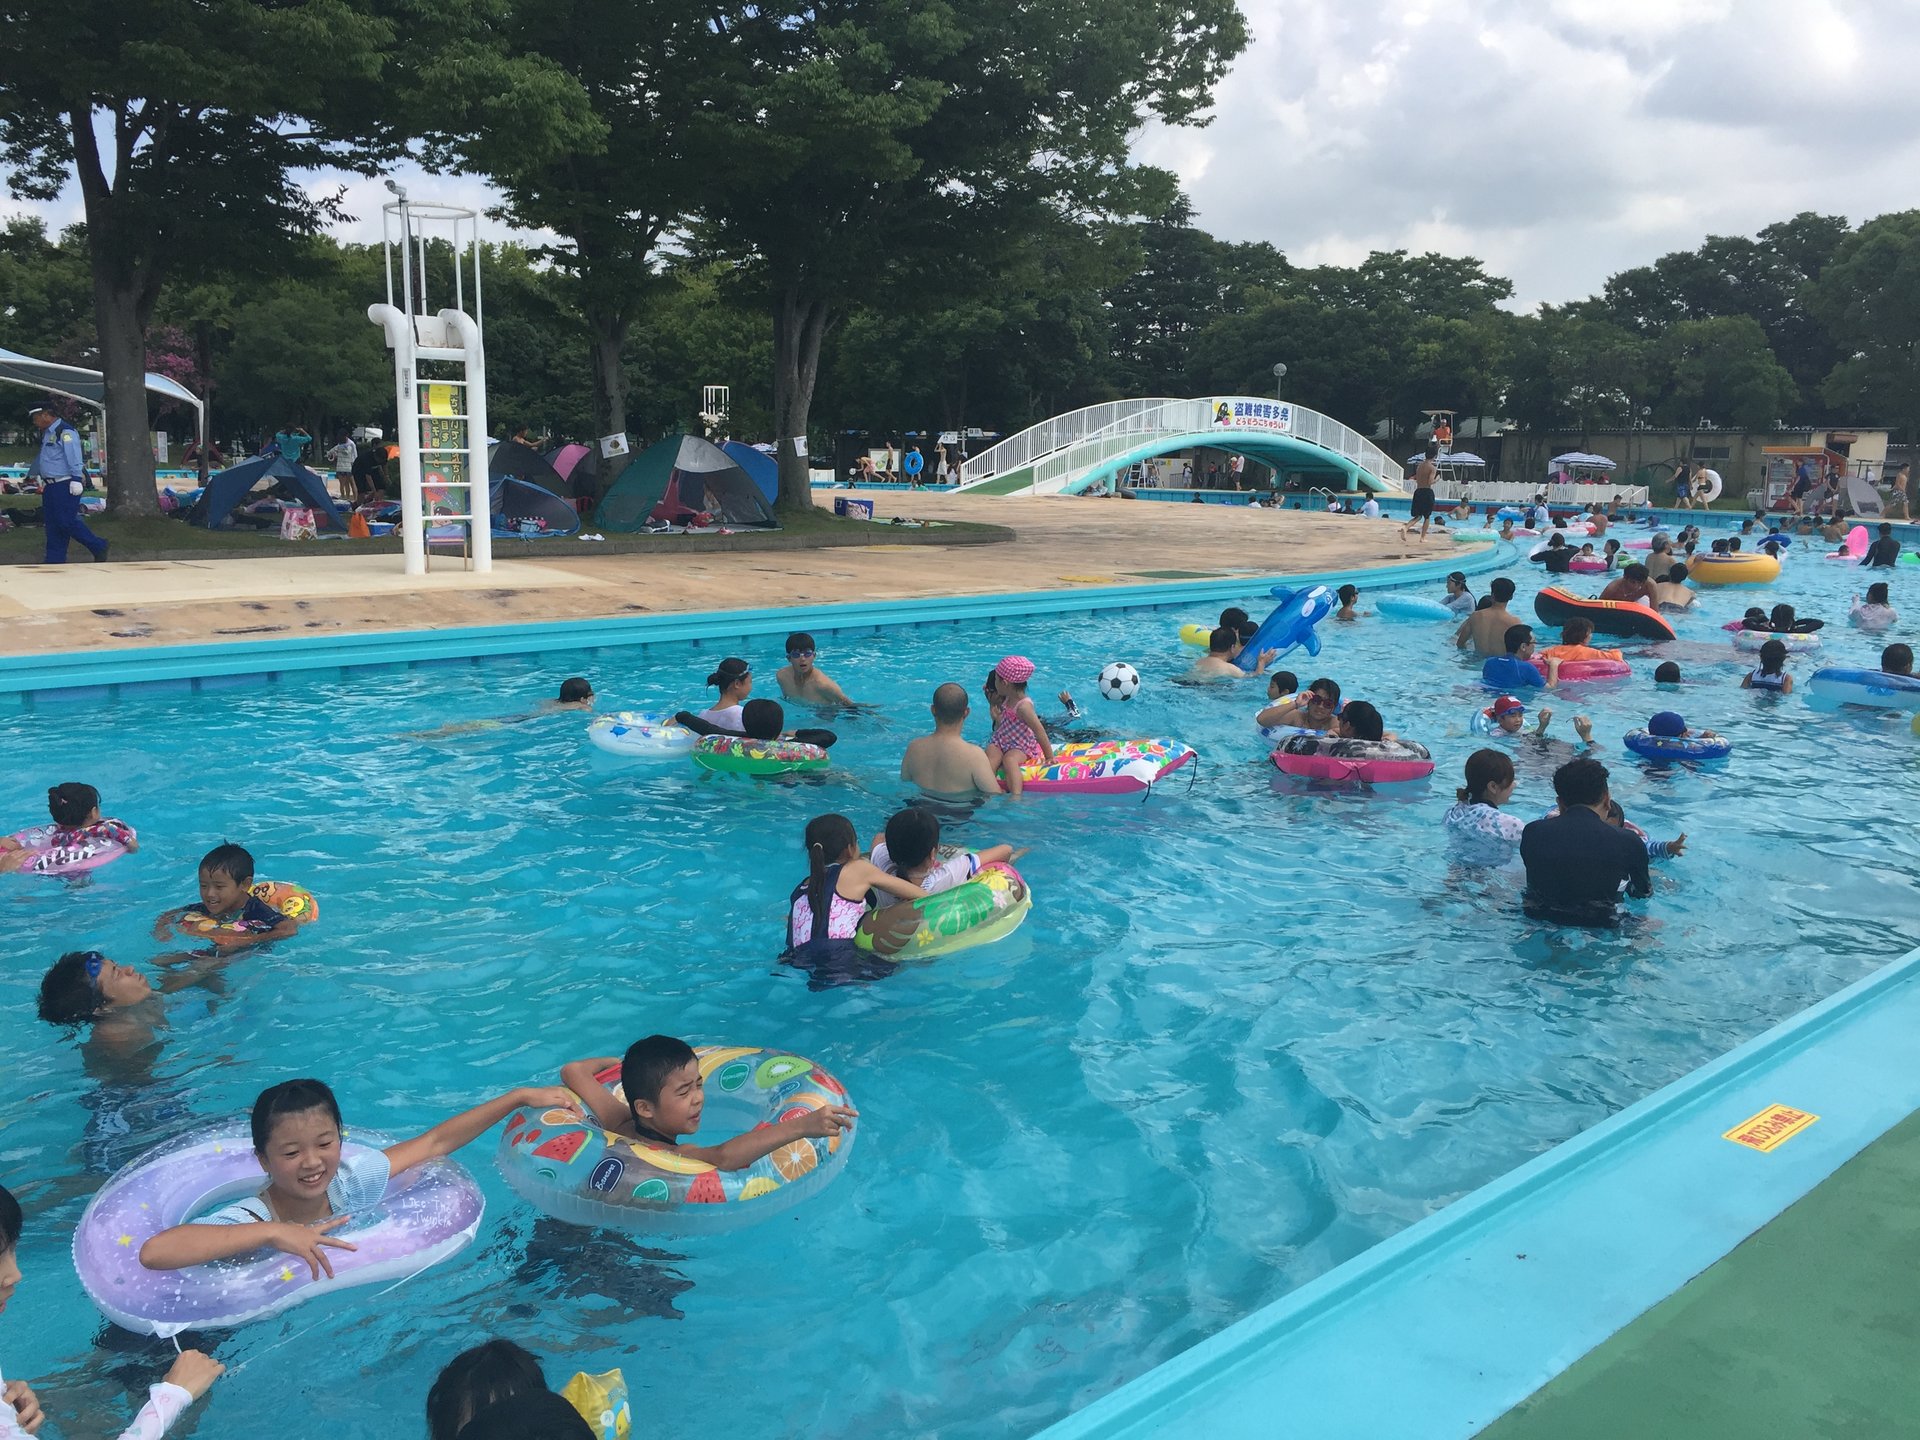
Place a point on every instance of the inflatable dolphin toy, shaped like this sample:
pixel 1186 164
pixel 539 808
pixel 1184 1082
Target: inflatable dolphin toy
pixel 1292 623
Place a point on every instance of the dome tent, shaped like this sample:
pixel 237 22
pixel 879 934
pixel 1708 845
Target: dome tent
pixel 676 480
pixel 525 487
pixel 760 467
pixel 286 478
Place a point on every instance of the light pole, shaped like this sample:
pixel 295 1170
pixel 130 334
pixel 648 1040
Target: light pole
pixel 1279 374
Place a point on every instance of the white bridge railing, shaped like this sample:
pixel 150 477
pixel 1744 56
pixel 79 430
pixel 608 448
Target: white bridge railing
pixel 1073 447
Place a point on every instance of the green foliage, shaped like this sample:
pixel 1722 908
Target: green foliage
pixel 296 355
pixel 1869 299
pixel 46 295
pixel 1722 371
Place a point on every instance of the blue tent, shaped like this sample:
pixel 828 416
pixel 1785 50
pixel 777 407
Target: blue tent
pixel 292 482
pixel 761 467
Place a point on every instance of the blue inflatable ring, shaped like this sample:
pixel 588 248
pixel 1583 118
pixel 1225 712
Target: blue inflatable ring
pixel 1678 747
pixel 913 462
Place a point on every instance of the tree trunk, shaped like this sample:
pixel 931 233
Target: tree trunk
pixel 607 336
pixel 126 281
pixel 799 327
pixel 123 361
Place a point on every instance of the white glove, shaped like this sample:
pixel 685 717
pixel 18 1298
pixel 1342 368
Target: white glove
pixel 74 487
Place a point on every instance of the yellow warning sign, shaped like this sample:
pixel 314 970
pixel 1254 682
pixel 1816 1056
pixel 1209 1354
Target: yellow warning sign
pixel 1771 1128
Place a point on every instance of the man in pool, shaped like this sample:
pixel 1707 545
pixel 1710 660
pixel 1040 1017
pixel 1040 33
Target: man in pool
pixel 1220 662
pixel 1486 628
pixel 1578 863
pixel 946 762
pixel 800 679
pixel 1883 553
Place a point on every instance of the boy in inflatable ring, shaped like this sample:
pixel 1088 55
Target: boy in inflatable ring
pixel 227 898
pixel 665 1091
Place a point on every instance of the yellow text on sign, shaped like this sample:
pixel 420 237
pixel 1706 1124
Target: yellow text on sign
pixel 1772 1127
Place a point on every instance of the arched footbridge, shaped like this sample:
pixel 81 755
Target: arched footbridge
pixel 1069 453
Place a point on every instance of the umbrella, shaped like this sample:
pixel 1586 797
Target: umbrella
pixel 1457 457
pixel 1584 460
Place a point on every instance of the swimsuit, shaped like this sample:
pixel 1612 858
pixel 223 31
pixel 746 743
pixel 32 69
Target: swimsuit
pixel 842 919
pixel 1481 832
pixel 1761 680
pixel 1014 736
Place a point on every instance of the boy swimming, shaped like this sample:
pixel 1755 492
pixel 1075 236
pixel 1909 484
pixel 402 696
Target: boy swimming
pixel 664 1094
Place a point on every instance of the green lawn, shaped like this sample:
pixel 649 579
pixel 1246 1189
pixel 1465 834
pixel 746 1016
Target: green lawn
pixel 144 539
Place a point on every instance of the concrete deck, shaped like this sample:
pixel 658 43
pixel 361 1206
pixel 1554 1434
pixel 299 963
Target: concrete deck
pixel 1806 1330
pixel 1060 543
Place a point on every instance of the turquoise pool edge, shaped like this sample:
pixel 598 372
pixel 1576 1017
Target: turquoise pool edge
pixel 93 675
pixel 1439 1330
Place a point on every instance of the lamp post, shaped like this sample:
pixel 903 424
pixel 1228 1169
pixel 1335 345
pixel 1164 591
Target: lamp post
pixel 1279 374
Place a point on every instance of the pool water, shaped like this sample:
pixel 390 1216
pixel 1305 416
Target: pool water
pixel 1252 1027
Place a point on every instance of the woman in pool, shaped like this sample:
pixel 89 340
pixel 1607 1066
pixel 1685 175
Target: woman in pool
pixel 1474 822
pixel 734 677
pixel 310 1190
pixel 189 1377
pixel 1876 612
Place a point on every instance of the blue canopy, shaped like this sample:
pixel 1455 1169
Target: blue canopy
pixel 291 480
pixel 761 467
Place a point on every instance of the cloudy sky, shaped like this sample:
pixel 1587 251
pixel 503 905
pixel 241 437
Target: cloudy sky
pixel 1558 140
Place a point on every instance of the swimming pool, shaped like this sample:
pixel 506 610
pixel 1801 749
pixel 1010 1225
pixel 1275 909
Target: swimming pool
pixel 1250 1029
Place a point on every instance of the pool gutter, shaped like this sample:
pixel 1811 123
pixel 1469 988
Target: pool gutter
pixel 93 676
pixel 1439 1330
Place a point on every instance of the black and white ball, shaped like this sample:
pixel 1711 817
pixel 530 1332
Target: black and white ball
pixel 1119 681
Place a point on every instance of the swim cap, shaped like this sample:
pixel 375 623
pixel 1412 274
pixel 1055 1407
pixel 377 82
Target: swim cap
pixel 1668 723
pixel 1015 669
pixel 1505 705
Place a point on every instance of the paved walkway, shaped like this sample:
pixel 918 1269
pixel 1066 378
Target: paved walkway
pixel 1061 542
pixel 1806 1331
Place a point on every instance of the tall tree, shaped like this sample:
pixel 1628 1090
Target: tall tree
pixel 1869 297
pixel 612 197
pixel 852 144
pixel 185 122
pixel 1721 372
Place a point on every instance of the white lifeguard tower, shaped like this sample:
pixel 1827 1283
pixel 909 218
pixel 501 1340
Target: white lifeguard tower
pixel 715 404
pixel 444 478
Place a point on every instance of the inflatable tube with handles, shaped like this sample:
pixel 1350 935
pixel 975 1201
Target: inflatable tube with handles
pixel 1609 617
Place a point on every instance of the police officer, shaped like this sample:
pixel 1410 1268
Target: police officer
pixel 63 475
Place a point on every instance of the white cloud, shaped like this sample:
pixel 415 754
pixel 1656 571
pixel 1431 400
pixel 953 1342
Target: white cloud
pixel 1558 140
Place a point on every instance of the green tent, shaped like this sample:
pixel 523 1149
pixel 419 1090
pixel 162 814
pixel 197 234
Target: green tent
pixel 679 481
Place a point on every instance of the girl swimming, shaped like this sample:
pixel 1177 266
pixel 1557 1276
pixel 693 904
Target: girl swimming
pixel 1876 612
pixel 311 1189
pixel 833 900
pixel 1770 673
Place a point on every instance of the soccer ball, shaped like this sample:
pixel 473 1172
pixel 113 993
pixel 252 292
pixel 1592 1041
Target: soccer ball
pixel 1119 681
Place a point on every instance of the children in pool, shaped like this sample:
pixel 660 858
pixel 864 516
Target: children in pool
pixel 1019 738
pixel 310 1192
pixel 227 898
pixel 834 900
pixel 665 1094
pixel 74 807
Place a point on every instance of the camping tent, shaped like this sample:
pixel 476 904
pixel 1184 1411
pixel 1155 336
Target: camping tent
pixel 289 480
pixel 678 479
pixel 526 487
pixel 563 459
pixel 761 467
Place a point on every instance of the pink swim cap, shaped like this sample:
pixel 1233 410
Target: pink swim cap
pixel 1015 669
